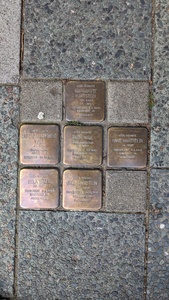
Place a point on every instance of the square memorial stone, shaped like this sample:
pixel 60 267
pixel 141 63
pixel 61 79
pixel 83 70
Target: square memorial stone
pixel 82 145
pixel 41 101
pixel 84 101
pixel 39 188
pixel 126 191
pixel 39 144
pixel 82 189
pixel 127 147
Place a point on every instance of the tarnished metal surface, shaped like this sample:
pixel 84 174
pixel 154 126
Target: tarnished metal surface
pixel 82 189
pixel 127 147
pixel 39 144
pixel 39 188
pixel 82 145
pixel 85 101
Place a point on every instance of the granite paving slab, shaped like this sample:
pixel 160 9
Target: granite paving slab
pixel 41 101
pixel 10 41
pixel 79 255
pixel 126 191
pixel 158 247
pixel 160 110
pixel 128 102
pixel 87 39
pixel 7 245
pixel 9 118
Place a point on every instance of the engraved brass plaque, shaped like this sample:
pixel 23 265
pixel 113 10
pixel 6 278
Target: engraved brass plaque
pixel 82 189
pixel 85 101
pixel 127 147
pixel 82 145
pixel 39 188
pixel 39 144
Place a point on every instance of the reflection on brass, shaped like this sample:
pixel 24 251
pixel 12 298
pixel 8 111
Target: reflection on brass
pixel 39 188
pixel 82 145
pixel 39 144
pixel 127 147
pixel 85 101
pixel 82 189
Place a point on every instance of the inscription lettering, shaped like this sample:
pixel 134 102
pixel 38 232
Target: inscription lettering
pixel 127 147
pixel 82 189
pixel 85 102
pixel 39 144
pixel 38 188
pixel 82 145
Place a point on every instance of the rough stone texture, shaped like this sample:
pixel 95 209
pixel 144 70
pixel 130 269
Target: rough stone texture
pixel 160 112
pixel 87 39
pixel 9 117
pixel 8 184
pixel 126 191
pixel 128 102
pixel 9 41
pixel 158 257
pixel 41 101
pixel 75 255
pixel 7 231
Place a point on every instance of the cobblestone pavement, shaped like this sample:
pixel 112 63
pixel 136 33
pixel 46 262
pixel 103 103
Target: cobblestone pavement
pixel 117 248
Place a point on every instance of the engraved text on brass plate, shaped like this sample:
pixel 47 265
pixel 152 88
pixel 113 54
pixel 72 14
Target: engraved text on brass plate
pixel 39 188
pixel 39 144
pixel 82 145
pixel 82 189
pixel 127 147
pixel 85 101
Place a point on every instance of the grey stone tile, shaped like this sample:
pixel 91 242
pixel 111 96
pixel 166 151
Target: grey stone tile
pixel 126 191
pixel 87 39
pixel 9 117
pixel 160 111
pixel 7 231
pixel 158 257
pixel 75 255
pixel 10 41
pixel 128 102
pixel 41 101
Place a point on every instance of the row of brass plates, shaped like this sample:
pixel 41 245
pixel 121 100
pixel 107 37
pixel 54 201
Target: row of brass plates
pixel 39 189
pixel 82 146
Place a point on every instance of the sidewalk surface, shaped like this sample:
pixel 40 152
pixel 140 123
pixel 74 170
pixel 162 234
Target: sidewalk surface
pixel 120 251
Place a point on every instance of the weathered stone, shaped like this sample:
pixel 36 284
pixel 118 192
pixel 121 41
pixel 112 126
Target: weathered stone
pixel 126 191
pixel 87 39
pixel 9 117
pixel 10 41
pixel 41 101
pixel 160 103
pixel 128 102
pixel 158 246
pixel 75 255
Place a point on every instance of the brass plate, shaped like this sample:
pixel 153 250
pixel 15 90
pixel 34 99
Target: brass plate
pixel 127 147
pixel 82 145
pixel 82 189
pixel 39 144
pixel 85 101
pixel 39 188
